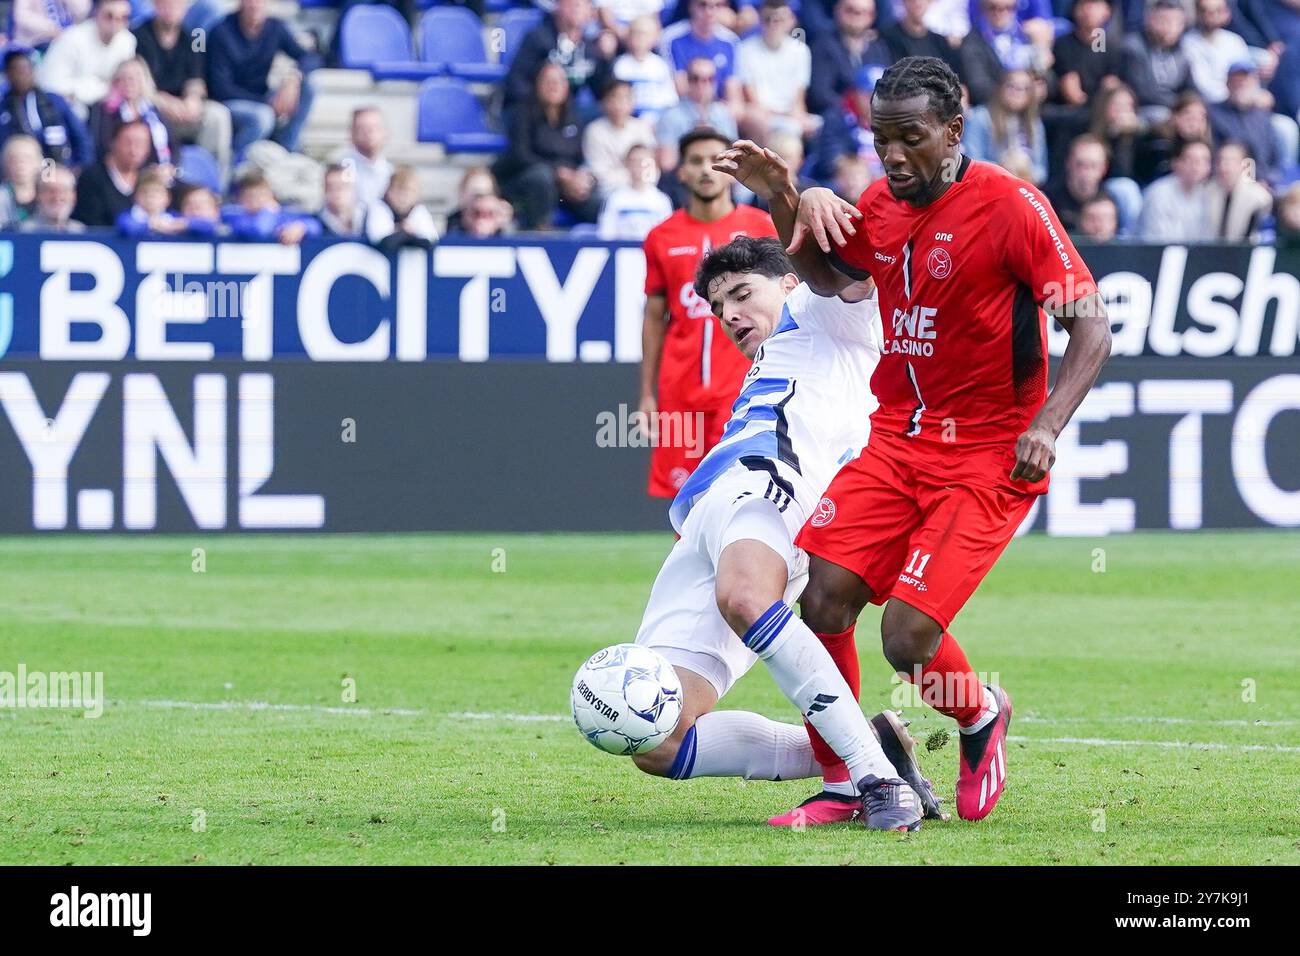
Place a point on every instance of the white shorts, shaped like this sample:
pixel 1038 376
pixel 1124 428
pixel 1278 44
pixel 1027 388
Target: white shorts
pixel 682 620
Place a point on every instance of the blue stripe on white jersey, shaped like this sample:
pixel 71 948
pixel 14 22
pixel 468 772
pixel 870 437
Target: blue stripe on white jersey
pixel 807 390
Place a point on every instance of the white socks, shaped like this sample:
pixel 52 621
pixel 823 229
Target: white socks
pixel 806 675
pixel 736 743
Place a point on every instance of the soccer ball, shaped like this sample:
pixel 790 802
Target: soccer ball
pixel 626 699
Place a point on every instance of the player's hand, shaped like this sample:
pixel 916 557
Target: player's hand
pixel 754 167
pixel 649 411
pixel 1035 454
pixel 824 216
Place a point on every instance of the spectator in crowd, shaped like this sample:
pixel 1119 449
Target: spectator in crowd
pixel 653 87
pixel 571 38
pixel 606 140
pixel 82 59
pixel 342 215
pixel 1115 121
pixel 631 211
pixel 1286 81
pixel 1084 60
pixel 1098 219
pixel 911 35
pixel 130 98
pixel 21 161
pixel 485 216
pixel 56 196
pixel 1033 17
pixel 838 56
pixel 542 169
pixel 950 19
pixel 702 36
pixel 997 45
pixel 37 22
pixel 241 49
pixel 846 129
pixel 370 168
pixel 1175 208
pixel 1240 117
pixel 256 214
pixel 1211 48
pixel 201 210
pixel 149 215
pixel 1190 120
pixel 1007 125
pixel 106 188
pixel 699 107
pixel 26 108
pixel 1155 64
pixel 399 219
pixel 775 69
pixel 1238 202
pixel 1084 179
pixel 1288 218
pixel 617 16
pixel 178 66
pixel 851 178
pixel 475 181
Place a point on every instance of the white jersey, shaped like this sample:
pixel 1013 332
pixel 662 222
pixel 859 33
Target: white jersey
pixel 804 407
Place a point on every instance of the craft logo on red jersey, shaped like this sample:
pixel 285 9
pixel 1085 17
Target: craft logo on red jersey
pixel 824 514
pixel 939 262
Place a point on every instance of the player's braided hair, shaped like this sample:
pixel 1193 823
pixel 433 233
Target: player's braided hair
pixel 926 76
pixel 744 254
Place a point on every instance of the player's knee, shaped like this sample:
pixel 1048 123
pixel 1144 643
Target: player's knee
pixel 826 609
pixel 660 761
pixel 742 602
pixel 909 637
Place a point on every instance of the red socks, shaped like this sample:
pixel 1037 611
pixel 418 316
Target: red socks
pixel 950 686
pixel 844 652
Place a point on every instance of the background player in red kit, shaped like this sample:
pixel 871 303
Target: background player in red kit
pixel 966 258
pixel 688 365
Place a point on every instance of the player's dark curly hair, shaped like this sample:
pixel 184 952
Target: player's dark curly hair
pixel 765 256
pixel 926 76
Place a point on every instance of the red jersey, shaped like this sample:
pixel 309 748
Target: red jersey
pixel 699 367
pixel 962 283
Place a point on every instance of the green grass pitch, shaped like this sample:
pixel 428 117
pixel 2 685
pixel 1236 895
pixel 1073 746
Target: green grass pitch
pixel 1157 706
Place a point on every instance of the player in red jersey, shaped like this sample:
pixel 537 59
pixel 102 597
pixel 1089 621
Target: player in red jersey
pixel 688 365
pixel 966 258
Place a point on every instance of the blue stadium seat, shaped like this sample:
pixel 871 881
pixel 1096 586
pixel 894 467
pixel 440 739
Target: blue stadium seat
pixel 452 38
pixel 198 167
pixel 376 38
pixel 450 114
pixel 515 24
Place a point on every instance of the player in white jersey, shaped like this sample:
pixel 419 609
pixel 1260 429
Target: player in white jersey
pixel 722 598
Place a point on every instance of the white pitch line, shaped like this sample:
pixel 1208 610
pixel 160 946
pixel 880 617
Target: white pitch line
pixel 255 705
pixel 1168 744
pixel 509 717
pixel 1125 719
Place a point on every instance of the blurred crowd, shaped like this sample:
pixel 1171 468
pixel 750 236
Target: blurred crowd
pixel 1153 120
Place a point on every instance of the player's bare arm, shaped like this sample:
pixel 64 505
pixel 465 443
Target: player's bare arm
pixel 653 329
pixel 1087 323
pixel 768 176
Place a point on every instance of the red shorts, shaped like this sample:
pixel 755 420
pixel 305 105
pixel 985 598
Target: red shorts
pixel 919 524
pixel 683 441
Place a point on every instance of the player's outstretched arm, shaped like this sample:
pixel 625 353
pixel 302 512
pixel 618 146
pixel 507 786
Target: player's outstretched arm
pixel 1089 327
pixel 795 217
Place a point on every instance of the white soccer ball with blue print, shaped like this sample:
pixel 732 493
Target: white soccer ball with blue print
pixel 626 699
